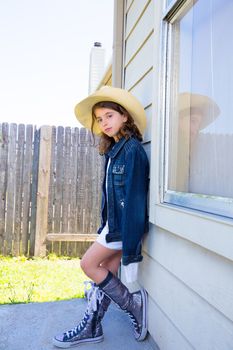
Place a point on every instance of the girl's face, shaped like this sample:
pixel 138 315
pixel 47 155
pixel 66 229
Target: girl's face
pixel 110 121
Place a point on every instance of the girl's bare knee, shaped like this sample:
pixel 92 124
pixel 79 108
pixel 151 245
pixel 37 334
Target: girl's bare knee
pixel 84 264
pixel 87 265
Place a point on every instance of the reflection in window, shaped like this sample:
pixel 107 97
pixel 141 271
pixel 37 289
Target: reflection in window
pixel 201 103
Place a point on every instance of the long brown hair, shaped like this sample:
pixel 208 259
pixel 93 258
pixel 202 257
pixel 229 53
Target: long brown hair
pixel 128 129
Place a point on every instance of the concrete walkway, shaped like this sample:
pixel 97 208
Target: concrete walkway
pixel 32 326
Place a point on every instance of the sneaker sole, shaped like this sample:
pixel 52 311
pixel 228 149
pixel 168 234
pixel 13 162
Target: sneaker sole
pixel 144 316
pixel 64 345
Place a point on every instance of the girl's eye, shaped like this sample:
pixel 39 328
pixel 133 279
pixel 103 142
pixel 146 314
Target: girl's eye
pixel 99 120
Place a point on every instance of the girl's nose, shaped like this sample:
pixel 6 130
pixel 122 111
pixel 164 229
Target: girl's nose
pixel 105 122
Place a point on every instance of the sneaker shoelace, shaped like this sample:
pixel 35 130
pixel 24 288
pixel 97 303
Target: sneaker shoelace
pixel 133 319
pixel 88 286
pixel 94 297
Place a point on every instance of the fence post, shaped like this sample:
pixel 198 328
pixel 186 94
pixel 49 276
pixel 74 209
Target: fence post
pixel 43 190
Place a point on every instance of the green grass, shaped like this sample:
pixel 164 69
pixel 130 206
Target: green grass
pixel 25 280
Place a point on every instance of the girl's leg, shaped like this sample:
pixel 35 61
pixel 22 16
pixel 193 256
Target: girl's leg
pixel 96 263
pixel 98 260
pixel 134 304
pixel 112 264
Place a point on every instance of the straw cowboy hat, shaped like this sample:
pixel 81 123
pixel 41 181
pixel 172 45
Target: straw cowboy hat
pixel 204 104
pixel 83 110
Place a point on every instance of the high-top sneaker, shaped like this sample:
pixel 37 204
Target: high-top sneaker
pixel 134 304
pixel 89 330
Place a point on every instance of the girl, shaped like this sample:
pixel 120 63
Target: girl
pixel 118 117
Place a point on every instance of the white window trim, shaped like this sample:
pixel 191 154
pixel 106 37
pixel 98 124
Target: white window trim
pixel 208 204
pixel 209 231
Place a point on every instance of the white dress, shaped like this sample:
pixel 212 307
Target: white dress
pixel 102 236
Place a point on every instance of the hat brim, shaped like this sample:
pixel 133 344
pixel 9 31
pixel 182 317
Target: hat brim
pixel 83 110
pixel 208 108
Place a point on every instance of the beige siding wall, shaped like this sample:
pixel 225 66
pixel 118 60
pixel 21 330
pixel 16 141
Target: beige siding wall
pixel 188 259
pixel 189 287
pixel 138 58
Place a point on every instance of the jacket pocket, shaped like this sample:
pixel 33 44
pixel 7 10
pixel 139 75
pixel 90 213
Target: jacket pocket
pixel 118 174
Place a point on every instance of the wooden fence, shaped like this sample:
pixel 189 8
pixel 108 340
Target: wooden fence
pixel 50 182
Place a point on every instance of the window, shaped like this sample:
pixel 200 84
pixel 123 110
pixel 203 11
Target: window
pixel 199 106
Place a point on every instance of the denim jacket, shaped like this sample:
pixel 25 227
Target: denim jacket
pixel 126 210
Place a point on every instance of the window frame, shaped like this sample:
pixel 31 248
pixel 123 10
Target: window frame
pixel 222 206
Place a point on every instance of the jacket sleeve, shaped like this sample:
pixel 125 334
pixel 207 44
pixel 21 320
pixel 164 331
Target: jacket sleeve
pixel 134 218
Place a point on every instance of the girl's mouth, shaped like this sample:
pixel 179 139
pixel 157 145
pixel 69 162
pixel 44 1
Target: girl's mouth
pixel 107 130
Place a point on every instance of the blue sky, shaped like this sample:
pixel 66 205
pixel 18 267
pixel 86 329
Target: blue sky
pixel 44 62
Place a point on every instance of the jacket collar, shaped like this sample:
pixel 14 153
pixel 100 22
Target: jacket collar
pixel 116 148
